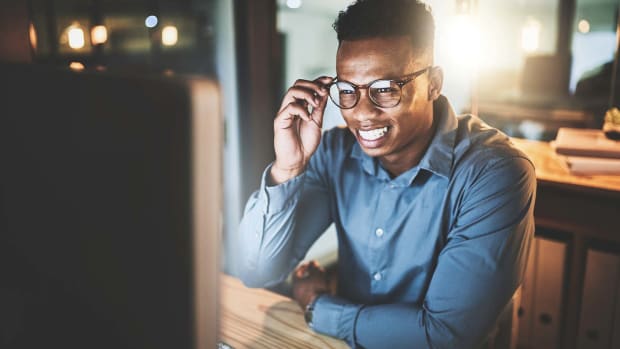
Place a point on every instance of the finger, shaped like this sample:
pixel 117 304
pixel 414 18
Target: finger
pixel 324 82
pixel 302 271
pixel 308 90
pixel 318 112
pixel 299 272
pixel 316 266
pixel 302 95
pixel 303 274
pixel 317 85
pixel 289 114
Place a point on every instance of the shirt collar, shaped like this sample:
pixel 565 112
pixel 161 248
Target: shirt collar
pixel 440 153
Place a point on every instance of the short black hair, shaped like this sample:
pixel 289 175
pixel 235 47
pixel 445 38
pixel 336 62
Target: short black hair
pixel 365 19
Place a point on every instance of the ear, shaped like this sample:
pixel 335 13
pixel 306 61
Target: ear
pixel 435 83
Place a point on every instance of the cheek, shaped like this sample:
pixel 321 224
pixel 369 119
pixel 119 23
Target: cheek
pixel 348 119
pixel 418 104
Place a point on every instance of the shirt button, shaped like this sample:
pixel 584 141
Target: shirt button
pixel 377 276
pixel 379 232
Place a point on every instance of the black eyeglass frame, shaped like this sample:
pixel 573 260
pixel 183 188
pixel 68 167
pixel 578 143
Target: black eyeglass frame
pixel 400 83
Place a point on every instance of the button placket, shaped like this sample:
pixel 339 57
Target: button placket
pixel 379 232
pixel 377 276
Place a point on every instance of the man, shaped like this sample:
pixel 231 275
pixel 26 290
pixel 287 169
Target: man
pixel 434 212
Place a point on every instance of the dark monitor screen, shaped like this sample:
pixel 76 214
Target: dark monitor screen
pixel 109 210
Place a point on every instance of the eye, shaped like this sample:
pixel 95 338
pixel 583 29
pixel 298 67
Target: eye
pixel 383 87
pixel 385 90
pixel 345 88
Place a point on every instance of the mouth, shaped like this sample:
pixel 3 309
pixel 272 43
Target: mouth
pixel 374 137
pixel 374 134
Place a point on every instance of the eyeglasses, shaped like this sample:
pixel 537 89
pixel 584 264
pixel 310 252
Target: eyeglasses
pixel 384 93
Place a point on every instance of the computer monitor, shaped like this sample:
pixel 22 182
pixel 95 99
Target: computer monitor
pixel 110 209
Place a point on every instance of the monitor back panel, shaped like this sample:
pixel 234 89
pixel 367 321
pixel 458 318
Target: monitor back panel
pixel 97 212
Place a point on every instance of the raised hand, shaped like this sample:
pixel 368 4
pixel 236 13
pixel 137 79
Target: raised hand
pixel 297 127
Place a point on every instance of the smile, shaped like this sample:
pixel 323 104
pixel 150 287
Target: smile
pixel 372 135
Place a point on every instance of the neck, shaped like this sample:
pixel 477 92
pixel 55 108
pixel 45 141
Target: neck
pixel 408 157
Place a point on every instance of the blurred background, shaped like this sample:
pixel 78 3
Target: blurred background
pixel 527 67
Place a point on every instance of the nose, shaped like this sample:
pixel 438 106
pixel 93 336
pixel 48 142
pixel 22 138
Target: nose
pixel 365 109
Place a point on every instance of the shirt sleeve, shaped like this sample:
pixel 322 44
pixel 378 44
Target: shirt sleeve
pixel 477 272
pixel 280 223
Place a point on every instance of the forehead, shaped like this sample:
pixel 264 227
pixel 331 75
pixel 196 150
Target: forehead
pixel 366 59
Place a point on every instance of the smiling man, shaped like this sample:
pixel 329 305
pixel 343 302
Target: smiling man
pixel 434 212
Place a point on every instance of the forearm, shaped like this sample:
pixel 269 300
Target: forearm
pixel 278 227
pixel 398 325
pixel 266 234
pixel 379 326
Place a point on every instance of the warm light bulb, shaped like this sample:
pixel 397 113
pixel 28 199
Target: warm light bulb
pixel 33 36
pixel 583 26
pixel 530 36
pixel 169 35
pixel 76 37
pixel 76 66
pixel 98 35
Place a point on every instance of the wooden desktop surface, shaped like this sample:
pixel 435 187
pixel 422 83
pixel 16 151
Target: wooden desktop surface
pixel 549 169
pixel 257 318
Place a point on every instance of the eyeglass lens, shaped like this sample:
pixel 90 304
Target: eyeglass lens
pixel 384 93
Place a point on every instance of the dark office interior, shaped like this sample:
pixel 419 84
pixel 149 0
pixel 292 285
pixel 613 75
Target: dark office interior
pixel 90 84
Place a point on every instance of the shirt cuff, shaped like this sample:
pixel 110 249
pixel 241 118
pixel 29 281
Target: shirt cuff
pixel 336 317
pixel 279 197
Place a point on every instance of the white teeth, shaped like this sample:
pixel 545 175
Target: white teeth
pixel 372 135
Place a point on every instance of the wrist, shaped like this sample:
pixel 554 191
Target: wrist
pixel 279 175
pixel 313 298
pixel 310 308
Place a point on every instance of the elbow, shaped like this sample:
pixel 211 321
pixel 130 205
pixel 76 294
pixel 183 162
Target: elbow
pixel 256 277
pixel 252 279
pixel 443 334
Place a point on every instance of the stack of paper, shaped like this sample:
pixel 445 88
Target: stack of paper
pixel 588 151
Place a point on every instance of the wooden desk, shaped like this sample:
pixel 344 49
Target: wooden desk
pixel 580 211
pixel 586 205
pixel 256 318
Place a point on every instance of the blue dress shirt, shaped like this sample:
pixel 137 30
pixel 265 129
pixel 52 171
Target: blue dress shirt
pixel 425 260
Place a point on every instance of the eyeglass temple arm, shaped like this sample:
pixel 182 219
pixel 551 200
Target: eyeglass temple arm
pixel 413 76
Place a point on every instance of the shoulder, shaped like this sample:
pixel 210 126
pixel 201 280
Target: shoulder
pixel 481 146
pixel 486 159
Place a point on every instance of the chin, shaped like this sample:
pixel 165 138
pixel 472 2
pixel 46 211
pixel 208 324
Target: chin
pixel 375 151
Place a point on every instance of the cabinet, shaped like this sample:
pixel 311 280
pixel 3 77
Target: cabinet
pixel 575 215
pixel 540 314
pixel 600 290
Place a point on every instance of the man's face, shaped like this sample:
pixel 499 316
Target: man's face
pixel 408 124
